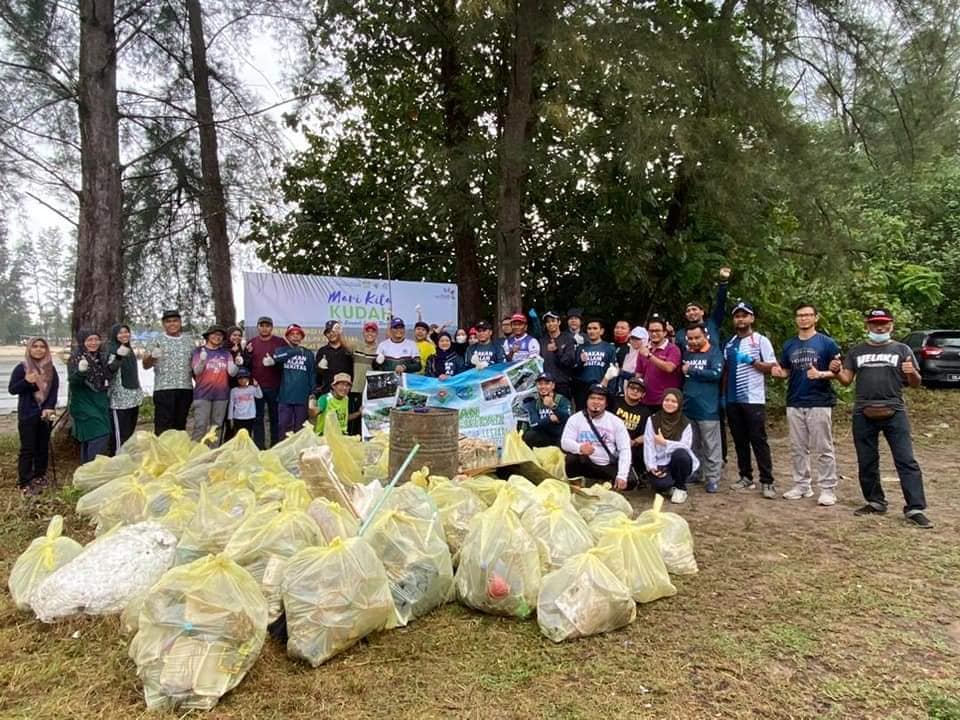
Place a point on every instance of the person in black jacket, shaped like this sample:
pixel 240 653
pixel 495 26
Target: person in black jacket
pixel 333 358
pixel 36 382
pixel 446 362
pixel 559 354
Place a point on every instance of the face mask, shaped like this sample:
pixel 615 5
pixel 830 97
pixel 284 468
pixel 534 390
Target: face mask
pixel 878 337
pixel 621 336
pixel 461 338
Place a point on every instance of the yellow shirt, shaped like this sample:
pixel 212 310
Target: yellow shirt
pixel 427 350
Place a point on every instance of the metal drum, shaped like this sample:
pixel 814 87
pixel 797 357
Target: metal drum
pixel 438 432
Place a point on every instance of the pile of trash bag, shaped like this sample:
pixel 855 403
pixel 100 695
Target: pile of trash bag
pixel 559 530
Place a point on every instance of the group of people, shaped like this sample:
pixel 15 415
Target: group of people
pixel 651 406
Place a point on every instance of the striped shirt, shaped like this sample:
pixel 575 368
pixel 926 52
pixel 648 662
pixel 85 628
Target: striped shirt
pixel 745 384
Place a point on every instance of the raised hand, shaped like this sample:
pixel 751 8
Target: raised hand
pixel 835 365
pixel 725 273
pixel 123 350
pixel 908 367
pixel 156 353
pixel 659 439
pixel 323 364
pixel 32 377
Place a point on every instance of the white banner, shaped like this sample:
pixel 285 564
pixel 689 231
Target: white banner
pixel 312 300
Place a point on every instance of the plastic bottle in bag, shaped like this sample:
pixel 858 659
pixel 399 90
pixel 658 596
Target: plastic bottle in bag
pixel 630 551
pixel 674 540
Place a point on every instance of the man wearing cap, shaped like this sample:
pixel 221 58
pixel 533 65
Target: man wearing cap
pixel 629 407
pixel 659 363
pixel 597 442
pixel 702 370
pixel 297 374
pixel 425 346
pixel 169 356
pixel 266 374
pixel 805 364
pixel 397 353
pixel 336 401
pixel 520 346
pixel 575 325
pixel 547 413
pixel 596 362
pixel 333 358
pixel 485 351
pixel 695 314
pixel 212 366
pixel 882 367
pixel 364 355
pixel 749 358
pixel 559 354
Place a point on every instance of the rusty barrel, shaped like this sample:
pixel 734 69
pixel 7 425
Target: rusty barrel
pixel 438 432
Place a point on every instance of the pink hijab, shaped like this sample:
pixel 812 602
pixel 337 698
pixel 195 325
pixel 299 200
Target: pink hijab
pixel 43 368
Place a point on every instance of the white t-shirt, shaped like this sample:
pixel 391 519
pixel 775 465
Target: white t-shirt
pixel 614 433
pixel 402 350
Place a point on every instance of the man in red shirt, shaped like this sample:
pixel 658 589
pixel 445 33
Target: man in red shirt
pixel 266 373
pixel 659 363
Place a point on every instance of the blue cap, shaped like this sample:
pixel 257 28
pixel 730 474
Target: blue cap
pixel 744 306
pixel 397 323
pixel 546 377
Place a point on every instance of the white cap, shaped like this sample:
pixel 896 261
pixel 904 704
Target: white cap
pixel 639 333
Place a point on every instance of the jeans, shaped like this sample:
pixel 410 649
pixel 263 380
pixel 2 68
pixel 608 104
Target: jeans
pixel 266 406
pixel 678 472
pixel 811 441
pixel 582 466
pixel 207 414
pixel 866 440
pixel 292 417
pixel 171 408
pixel 707 447
pixel 89 449
pixel 748 425
pixel 34 449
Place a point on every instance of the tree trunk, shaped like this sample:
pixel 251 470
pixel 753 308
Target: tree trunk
pixel 457 120
pixel 98 282
pixel 531 20
pixel 213 202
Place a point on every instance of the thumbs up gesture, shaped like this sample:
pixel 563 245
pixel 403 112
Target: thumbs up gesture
pixel 156 353
pixel 612 372
pixel 123 350
pixel 659 439
pixel 238 360
pixel 381 358
pixel 268 361
pixel 203 355
pixel 835 365
pixel 908 368
pixel 812 372
pixel 32 377
pixel 83 365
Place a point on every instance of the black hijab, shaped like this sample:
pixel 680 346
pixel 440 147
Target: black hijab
pixel 671 425
pixel 129 377
pixel 97 376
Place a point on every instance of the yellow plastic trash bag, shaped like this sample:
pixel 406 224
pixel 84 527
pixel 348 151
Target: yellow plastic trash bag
pixel 499 571
pixel 421 477
pixel 218 515
pixel 122 501
pixel 200 629
pixel 559 530
pixel 417 561
pixel 591 502
pixel 521 493
pixel 287 451
pixel 552 489
pixel 552 460
pixel 601 523
pixel 333 597
pixel 179 444
pixel 44 555
pixel 347 453
pixel 581 598
pixel 515 450
pixel 630 551
pixel 415 501
pixel 376 459
pixel 675 539
pixel 171 506
pixel 267 485
pixel 101 470
pixel 264 542
pixel 457 507
pixel 334 520
pixel 483 486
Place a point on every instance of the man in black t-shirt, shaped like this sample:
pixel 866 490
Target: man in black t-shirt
pixel 882 367
pixel 629 407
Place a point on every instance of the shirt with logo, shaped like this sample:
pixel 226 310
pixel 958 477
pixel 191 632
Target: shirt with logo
pixel 633 416
pixel 879 373
pixel 798 356
pixel 213 376
pixel 598 356
pixel 745 384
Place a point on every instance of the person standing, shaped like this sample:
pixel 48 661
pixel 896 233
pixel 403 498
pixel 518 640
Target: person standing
pixel 597 443
pixel 659 363
pixel 333 358
pixel 242 409
pixel 881 367
pixel 364 355
pixel 547 413
pixel 425 346
pixel 485 351
pixel 667 448
pixel 35 382
pixel 594 359
pixel 805 363
pixel 702 371
pixel 396 353
pixel 446 362
pixel 296 380
pixel 559 355
pixel 695 314
pixel 124 391
pixel 631 365
pixel 173 378
pixel 749 358
pixel 621 340
pixel 520 346
pixel 266 375
pixel 575 325
pixel 213 367
pixel 88 375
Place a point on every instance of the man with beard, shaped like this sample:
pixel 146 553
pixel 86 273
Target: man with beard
pixel 597 443
pixel 333 358
pixel 594 359
pixel 629 407
pixel 485 351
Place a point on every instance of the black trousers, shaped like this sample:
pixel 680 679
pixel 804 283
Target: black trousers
pixel 34 449
pixel 580 465
pixel 123 423
pixel 866 440
pixel 232 427
pixel 678 472
pixel 723 432
pixel 535 437
pixel 171 408
pixel 353 404
pixel 748 425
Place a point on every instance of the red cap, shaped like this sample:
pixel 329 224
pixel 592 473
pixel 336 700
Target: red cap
pixel 518 317
pixel 472 331
pixel 370 325
pixel 293 327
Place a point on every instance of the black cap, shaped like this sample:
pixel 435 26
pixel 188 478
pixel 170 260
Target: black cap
pixel 214 329
pixel 170 314
pixel 329 326
pixel 879 314
pixel 546 377
pixel 744 307
pixel 550 314
pixel 264 319
pixel 483 325
pixel 636 380
pixel 575 312
pixel 596 389
pixel 243 372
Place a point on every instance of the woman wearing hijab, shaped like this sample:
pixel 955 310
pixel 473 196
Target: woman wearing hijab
pixel 667 443
pixel 446 362
pixel 36 382
pixel 88 374
pixel 124 391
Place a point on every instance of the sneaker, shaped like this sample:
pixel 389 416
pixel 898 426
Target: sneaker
pixel 827 497
pixel 768 491
pixel 797 492
pixel 680 496
pixel 28 490
pixel 712 487
pixel 869 509
pixel 744 483
pixel 918 519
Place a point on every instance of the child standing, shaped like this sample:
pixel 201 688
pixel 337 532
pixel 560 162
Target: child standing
pixel 336 401
pixel 36 382
pixel 242 410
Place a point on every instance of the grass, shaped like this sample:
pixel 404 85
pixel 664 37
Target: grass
pixel 797 612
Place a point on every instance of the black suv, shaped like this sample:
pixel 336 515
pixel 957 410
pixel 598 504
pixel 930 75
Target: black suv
pixel 938 352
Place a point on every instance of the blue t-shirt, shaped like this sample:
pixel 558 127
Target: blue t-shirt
pixel 797 356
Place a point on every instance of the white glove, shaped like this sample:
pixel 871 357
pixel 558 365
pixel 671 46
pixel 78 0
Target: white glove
pixel 418 308
pixel 312 404
pixel 578 339
pixel 323 364
pixel 203 355
pixel 156 353
pixel 138 353
pixel 475 361
pixel 123 350
pixel 483 365
pixel 238 361
pixel 83 365
pixel 611 372
pixel 110 358
pixel 268 361
pixel 381 359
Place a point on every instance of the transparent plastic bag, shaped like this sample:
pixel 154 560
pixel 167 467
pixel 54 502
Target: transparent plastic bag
pixel 416 558
pixel 199 630
pixel 675 539
pixel 581 598
pixel 552 489
pixel 287 451
pixel 521 493
pixel 121 501
pixel 630 551
pixel 42 557
pixel 552 460
pixel 334 520
pixel 601 523
pixel 347 453
pixel 219 513
pixel 333 597
pixel 515 450
pixel 559 530
pixel 483 486
pixel 457 507
pixel 596 500
pixel 413 500
pixel 499 570
pixel 103 469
